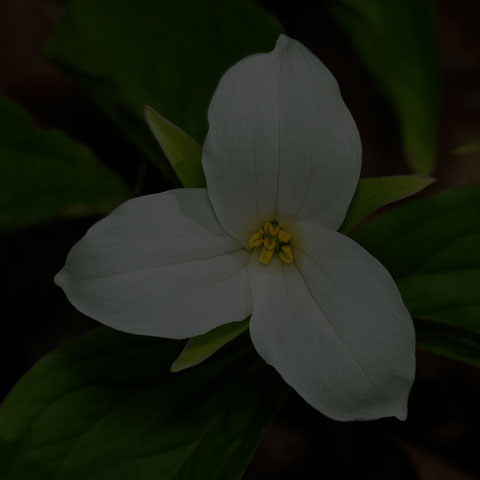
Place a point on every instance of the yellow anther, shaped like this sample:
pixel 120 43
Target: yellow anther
pixel 272 239
pixel 284 236
pixel 256 239
pixel 270 243
pixel 266 255
pixel 286 254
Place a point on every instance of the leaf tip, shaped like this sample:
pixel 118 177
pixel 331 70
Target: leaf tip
pixel 425 180
pixel 176 367
pixel 428 179
pixel 148 112
pixel 465 149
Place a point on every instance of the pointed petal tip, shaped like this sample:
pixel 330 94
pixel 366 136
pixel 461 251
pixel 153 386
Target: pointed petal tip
pixel 402 415
pixel 285 42
pixel 282 40
pixel 59 277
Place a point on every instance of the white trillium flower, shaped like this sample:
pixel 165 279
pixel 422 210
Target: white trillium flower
pixel 282 160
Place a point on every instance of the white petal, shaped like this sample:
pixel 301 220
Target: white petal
pixel 281 143
pixel 159 265
pixel 334 326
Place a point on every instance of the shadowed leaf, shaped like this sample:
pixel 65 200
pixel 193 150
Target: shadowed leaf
pixel 169 55
pixel 107 407
pixel 430 246
pixel 45 174
pixel 396 41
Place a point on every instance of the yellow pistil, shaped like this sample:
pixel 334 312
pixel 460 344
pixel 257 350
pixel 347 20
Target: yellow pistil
pixel 272 239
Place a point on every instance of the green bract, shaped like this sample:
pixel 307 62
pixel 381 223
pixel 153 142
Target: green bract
pixel 183 153
pixel 202 347
pixel 374 193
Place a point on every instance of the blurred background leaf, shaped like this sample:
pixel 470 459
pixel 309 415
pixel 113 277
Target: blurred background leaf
pixel 431 247
pixel 449 341
pixel 46 175
pixel 169 55
pixel 107 407
pixel 396 41
pixel 473 147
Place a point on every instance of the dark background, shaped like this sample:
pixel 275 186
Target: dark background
pixel 440 438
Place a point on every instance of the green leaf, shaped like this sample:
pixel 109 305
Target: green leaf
pixel 469 148
pixel 430 246
pixel 449 341
pixel 199 348
pixel 107 407
pixel 169 55
pixel 374 193
pixel 396 41
pixel 183 153
pixel 46 175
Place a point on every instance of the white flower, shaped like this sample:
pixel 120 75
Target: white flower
pixel 282 159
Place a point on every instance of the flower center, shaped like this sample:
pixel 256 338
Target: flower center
pixel 272 239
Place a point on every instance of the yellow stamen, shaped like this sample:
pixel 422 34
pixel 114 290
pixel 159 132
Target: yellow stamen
pixel 284 236
pixel 270 242
pixel 286 254
pixel 272 239
pixel 256 239
pixel 266 255
pixel 268 228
